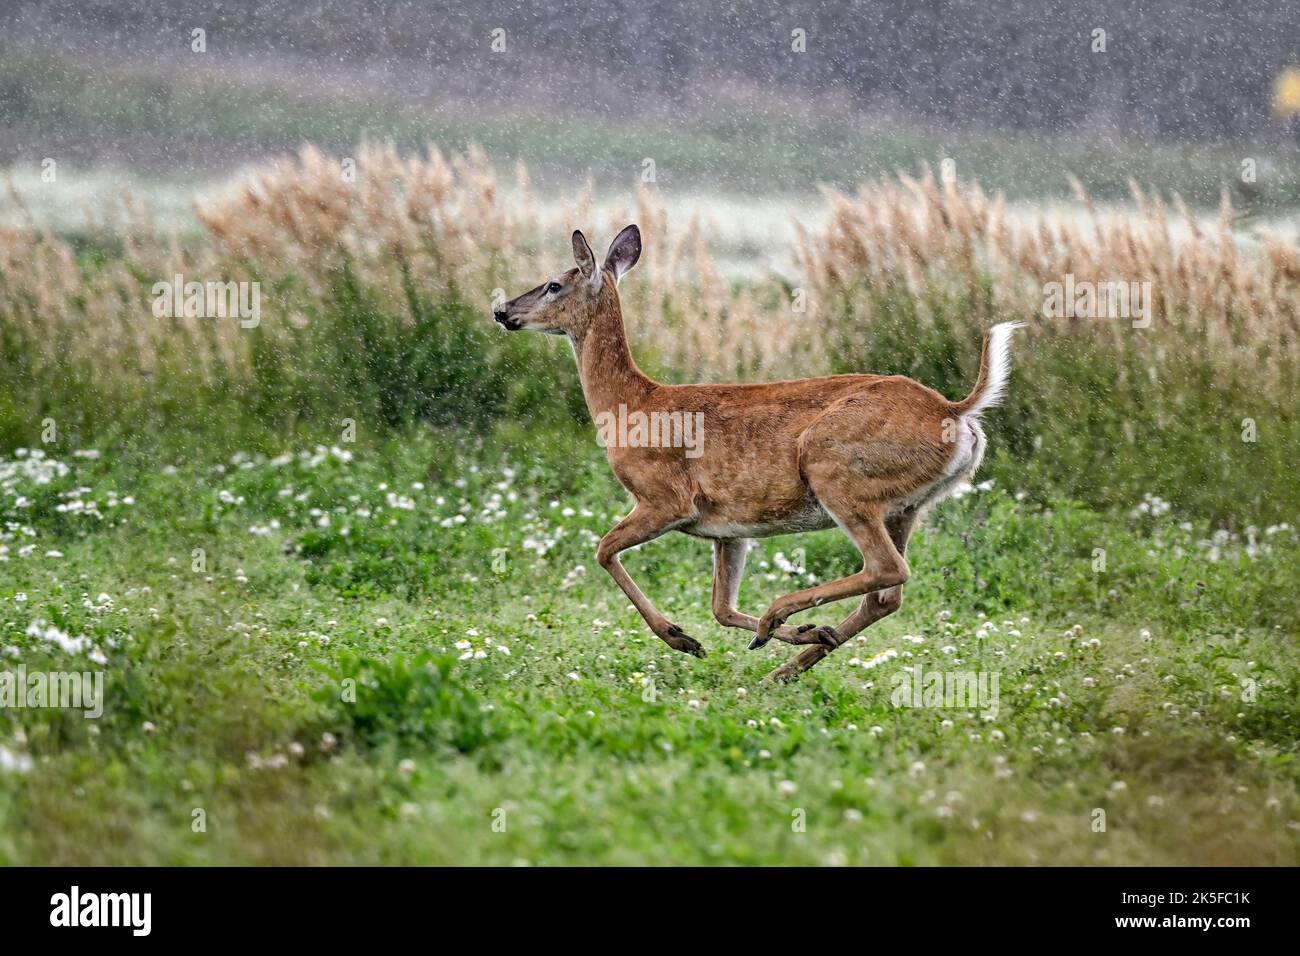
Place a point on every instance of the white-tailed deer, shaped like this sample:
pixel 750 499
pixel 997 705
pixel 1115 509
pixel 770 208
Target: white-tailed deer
pixel 866 452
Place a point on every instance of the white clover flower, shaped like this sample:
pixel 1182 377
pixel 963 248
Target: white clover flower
pixel 14 762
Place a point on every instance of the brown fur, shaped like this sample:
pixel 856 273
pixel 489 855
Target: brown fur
pixel 866 452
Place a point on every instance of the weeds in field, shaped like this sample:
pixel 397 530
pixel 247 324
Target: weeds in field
pixel 366 718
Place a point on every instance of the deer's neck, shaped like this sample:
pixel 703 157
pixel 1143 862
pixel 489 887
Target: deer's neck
pixel 609 375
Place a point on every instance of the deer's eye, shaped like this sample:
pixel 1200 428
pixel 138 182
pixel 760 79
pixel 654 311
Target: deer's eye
pixel 554 288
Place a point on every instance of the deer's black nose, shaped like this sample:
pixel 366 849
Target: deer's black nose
pixel 501 316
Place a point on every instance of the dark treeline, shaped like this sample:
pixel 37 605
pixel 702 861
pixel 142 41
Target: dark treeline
pixel 1178 69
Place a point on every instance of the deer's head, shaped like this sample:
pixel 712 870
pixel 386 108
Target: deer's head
pixel 565 304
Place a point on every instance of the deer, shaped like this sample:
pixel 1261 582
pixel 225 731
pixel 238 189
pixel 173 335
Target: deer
pixel 869 454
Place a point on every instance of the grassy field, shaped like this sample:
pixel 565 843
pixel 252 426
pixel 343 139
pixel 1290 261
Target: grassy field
pixel 402 651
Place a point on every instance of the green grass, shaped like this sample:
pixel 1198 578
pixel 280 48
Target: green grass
pixel 229 689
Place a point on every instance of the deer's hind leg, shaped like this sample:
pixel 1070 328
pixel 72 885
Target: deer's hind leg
pixel 874 606
pixel 882 568
pixel 860 463
pixel 878 604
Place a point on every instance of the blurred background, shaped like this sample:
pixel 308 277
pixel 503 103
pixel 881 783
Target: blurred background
pixel 728 98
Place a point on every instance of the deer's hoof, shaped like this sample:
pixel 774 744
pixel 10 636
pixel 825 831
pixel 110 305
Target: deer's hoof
pixel 785 673
pixel 768 626
pixel 827 636
pixel 679 640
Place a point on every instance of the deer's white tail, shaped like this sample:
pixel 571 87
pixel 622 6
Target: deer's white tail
pixel 995 365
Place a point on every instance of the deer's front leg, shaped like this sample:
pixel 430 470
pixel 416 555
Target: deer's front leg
pixel 728 567
pixel 643 524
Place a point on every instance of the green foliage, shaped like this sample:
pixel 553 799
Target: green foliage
pixel 494 682
pixel 416 702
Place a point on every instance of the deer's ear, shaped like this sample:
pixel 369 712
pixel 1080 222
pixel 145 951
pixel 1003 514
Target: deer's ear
pixel 583 256
pixel 624 251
